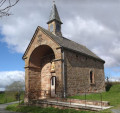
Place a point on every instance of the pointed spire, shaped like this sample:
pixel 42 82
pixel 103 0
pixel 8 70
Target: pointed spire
pixel 54 14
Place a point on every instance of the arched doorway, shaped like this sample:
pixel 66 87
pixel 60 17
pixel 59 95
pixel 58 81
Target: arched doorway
pixel 53 86
pixel 41 60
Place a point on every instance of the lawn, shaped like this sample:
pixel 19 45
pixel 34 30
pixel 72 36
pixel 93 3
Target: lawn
pixel 113 96
pixel 35 109
pixel 9 97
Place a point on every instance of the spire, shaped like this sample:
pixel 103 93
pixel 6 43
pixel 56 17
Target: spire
pixel 54 14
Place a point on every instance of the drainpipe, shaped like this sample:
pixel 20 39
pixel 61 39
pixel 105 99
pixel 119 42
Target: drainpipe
pixel 63 65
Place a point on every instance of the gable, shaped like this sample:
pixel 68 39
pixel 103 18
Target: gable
pixel 35 41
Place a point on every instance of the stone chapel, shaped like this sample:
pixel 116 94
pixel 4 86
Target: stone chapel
pixel 55 65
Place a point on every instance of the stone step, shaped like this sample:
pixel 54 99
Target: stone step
pixel 73 105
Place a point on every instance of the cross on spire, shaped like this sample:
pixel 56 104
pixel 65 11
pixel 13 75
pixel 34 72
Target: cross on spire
pixel 53 1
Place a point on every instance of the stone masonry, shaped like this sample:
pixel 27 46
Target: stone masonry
pixel 77 71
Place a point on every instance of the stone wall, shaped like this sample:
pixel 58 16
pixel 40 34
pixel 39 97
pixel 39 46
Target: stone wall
pixel 34 83
pixel 77 72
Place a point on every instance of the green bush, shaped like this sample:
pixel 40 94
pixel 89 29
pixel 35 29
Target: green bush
pixel 17 95
pixel 108 86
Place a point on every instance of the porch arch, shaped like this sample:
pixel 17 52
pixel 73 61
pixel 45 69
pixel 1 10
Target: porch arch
pixel 39 53
pixel 40 70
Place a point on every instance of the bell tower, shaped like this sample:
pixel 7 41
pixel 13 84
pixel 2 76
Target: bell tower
pixel 54 23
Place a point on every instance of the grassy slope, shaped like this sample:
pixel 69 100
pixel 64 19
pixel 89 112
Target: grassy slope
pixel 113 96
pixel 2 96
pixel 5 98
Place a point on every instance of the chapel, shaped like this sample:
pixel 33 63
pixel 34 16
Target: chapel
pixel 57 66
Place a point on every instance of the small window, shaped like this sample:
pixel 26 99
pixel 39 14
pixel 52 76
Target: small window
pixel 51 28
pixel 91 77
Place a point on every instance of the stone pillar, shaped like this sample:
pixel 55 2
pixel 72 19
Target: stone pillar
pixel 26 98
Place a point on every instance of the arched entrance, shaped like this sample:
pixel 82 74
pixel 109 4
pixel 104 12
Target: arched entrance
pixel 41 61
pixel 53 86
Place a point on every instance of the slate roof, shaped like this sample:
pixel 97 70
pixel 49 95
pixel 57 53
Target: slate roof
pixel 71 45
pixel 54 15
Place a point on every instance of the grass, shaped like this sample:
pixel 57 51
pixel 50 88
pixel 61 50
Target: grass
pixel 9 97
pixel 34 109
pixel 113 96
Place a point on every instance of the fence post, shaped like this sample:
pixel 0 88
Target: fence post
pixel 101 99
pixel 57 97
pixel 85 98
pixel 70 99
pixel 19 94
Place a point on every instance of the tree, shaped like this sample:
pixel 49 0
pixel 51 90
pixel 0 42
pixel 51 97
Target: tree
pixel 5 6
pixel 15 86
pixel 14 90
pixel 107 78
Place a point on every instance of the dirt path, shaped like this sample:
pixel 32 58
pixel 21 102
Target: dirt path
pixel 3 106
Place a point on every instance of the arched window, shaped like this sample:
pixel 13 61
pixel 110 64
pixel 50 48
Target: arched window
pixel 91 77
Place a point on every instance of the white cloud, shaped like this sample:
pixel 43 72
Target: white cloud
pixel 18 35
pixel 8 77
pixel 88 23
pixel 2 89
pixel 79 25
pixel 114 79
pixel 97 37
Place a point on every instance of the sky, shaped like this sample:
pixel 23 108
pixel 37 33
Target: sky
pixel 93 23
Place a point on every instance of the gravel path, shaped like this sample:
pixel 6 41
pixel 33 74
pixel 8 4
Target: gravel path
pixel 3 106
pixel 115 110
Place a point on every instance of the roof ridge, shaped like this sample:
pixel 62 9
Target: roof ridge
pixel 74 41
pixel 72 45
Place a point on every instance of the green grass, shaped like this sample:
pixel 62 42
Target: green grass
pixel 9 97
pixel 34 109
pixel 113 96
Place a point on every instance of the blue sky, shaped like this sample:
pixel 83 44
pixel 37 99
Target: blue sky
pixel 9 60
pixel 94 24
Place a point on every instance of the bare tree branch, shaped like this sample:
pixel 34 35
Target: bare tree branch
pixel 2 2
pixel 5 6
